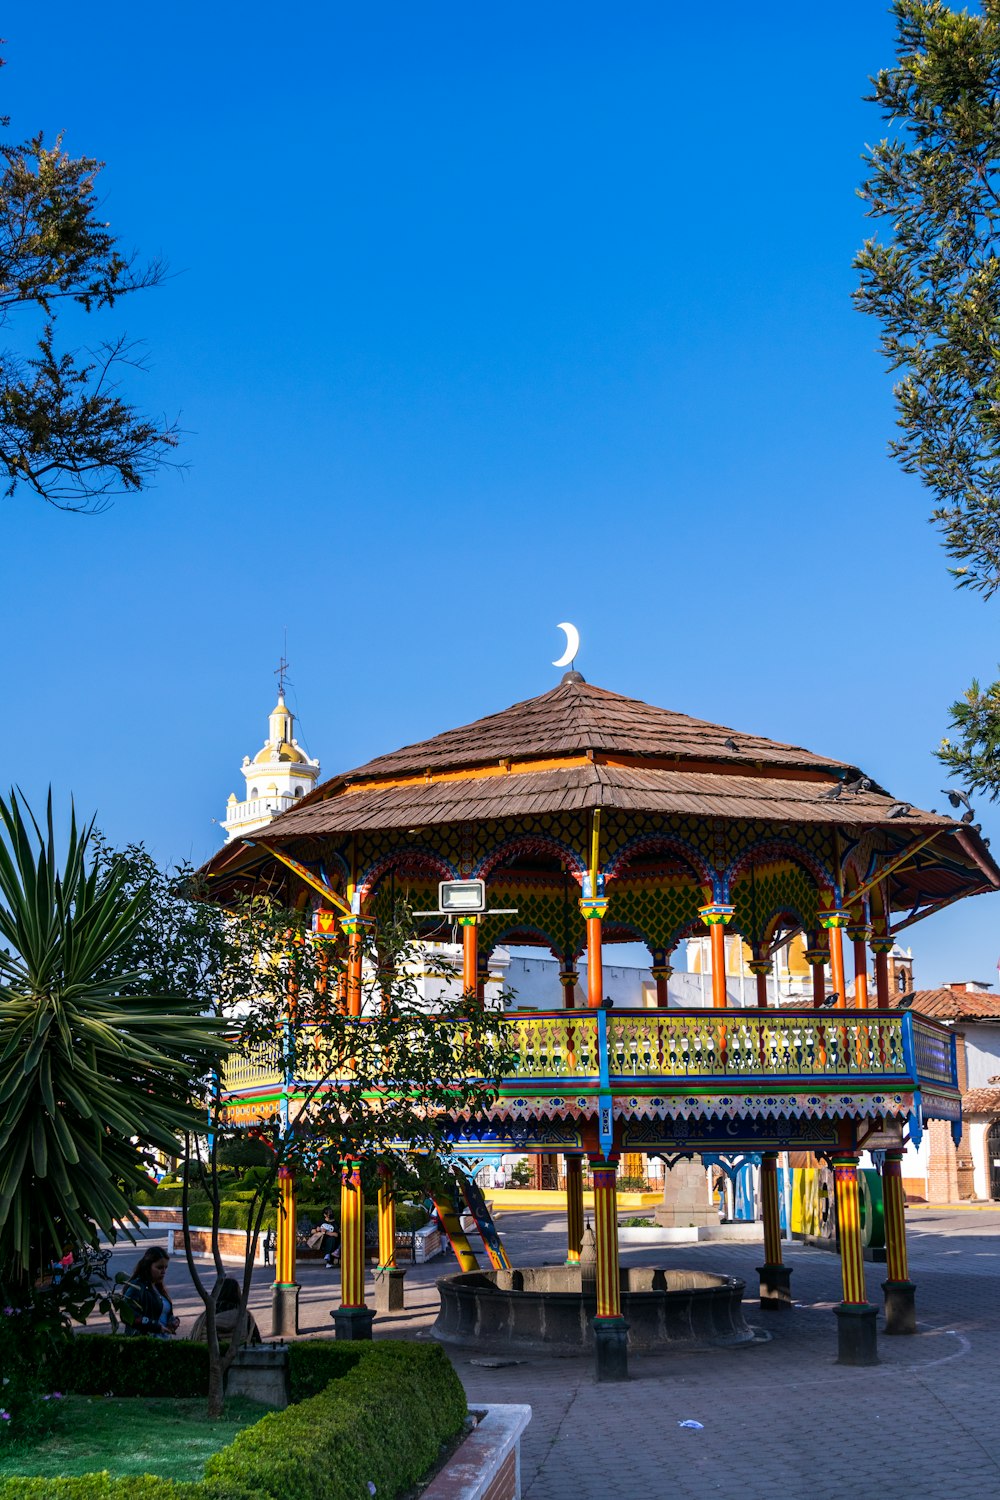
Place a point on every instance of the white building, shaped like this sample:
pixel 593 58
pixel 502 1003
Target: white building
pixel 279 774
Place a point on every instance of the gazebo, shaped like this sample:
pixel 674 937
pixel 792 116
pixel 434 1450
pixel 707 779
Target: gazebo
pixel 594 818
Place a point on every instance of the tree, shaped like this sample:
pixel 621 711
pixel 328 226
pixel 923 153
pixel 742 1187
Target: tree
pixel 935 288
pixel 380 1088
pixel 95 1062
pixel 66 432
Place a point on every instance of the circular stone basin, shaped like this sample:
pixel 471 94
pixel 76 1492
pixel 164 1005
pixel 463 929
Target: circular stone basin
pixel 549 1309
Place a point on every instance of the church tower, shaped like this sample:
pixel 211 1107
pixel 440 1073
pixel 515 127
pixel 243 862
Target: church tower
pixel 279 774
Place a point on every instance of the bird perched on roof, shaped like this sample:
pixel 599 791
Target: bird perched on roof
pixel 731 744
pixel 832 794
pixel 956 796
pixel 967 817
pixel 859 784
pixel 830 1000
pixel 899 809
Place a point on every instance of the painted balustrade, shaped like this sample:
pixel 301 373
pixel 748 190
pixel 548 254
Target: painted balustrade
pixel 674 1046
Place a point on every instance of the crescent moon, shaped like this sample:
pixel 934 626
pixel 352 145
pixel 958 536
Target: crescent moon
pixel 572 644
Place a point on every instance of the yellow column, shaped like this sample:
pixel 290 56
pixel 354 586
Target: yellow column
pixel 900 1308
pixel 574 1209
pixel 284 1257
pixel 852 1270
pixel 352 1237
pixel 716 918
pixel 609 1301
pixel 285 1291
pixel 386 1220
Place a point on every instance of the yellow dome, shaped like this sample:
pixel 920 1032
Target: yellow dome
pixel 286 752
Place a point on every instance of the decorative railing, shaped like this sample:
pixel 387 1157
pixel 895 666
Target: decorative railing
pixel 674 1047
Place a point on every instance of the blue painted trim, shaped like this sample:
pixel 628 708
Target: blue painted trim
pixel 954 1062
pixel 909 1054
pixel 916 1120
pixel 606 1125
pixel 603 1059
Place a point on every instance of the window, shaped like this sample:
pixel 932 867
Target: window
pixel 298 791
pixel 253 791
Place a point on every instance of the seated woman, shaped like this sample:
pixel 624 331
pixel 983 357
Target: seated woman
pixel 144 1305
pixel 226 1312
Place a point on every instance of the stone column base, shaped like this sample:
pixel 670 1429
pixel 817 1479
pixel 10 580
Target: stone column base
pixel 775 1287
pixel 284 1308
pixel 900 1309
pixel 857 1340
pixel 353 1322
pixel 610 1348
pixel 389 1288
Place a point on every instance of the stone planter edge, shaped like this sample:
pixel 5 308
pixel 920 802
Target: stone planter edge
pixel 474 1467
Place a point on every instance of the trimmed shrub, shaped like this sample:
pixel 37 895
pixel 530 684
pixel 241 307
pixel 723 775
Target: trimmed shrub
pixel 103 1487
pixel 95 1365
pixel 313 1363
pixel 383 1424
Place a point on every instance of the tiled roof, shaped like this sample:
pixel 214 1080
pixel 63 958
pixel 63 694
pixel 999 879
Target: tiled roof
pixel 981 1102
pixel 947 1005
pixel 577 717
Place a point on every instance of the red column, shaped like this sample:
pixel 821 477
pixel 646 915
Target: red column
pixel 661 972
pixel 817 959
pixel 470 955
pixel 882 946
pixel 760 968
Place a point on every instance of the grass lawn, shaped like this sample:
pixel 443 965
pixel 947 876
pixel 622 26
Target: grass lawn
pixel 132 1435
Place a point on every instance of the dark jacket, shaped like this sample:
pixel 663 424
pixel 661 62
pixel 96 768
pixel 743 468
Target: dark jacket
pixel 144 1308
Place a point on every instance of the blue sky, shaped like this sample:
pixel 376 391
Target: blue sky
pixel 482 317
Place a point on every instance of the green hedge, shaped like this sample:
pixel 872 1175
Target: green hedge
pixel 233 1211
pixel 381 1424
pixel 95 1365
pixel 381 1419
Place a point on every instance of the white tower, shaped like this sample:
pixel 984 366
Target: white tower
pixel 279 774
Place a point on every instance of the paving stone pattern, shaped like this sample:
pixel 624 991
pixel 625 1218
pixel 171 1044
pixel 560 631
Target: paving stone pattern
pixel 781 1420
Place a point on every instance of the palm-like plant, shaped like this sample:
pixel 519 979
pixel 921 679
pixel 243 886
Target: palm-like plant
pixel 94 1069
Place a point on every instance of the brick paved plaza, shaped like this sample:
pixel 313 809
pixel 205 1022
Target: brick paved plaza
pixel 781 1420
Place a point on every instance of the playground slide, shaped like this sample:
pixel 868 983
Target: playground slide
pixel 479 1209
pixel 450 1223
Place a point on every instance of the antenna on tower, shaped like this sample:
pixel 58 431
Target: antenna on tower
pixel 281 671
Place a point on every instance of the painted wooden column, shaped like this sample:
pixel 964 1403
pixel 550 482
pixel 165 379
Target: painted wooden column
pixel 354 927
pixel 470 955
pixel 760 968
pixel 352 1319
pixel 775 1278
pixel 594 909
pixel 899 1290
pixel 285 1291
pixel 817 959
pixel 882 946
pixel 857 935
pixel 856 1338
pixel 574 1209
pixel 661 972
pixel 569 979
pixel 388 1276
pixel 482 977
pixel 716 918
pixel 610 1328
pixel 834 920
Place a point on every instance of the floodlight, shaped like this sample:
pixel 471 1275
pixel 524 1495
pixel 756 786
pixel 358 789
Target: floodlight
pixel 459 897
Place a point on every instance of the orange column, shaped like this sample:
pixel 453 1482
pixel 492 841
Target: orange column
pixel 817 959
pixel 835 920
pixel 716 917
pixel 594 909
pixel 760 968
pixel 470 955
pixel 857 935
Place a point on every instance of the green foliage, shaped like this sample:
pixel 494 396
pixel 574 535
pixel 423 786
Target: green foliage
pixel 935 284
pixel 975 759
pixel 242 1152
pixel 65 431
pixel 383 1424
pixel 103 1487
pixel 313 1363
pixel 92 1365
pixel 632 1185
pixel 520 1174
pixel 95 1064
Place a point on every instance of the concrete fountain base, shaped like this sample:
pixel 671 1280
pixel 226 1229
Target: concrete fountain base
pixel 549 1309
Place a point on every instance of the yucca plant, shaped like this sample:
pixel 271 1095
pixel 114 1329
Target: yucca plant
pixel 95 1069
